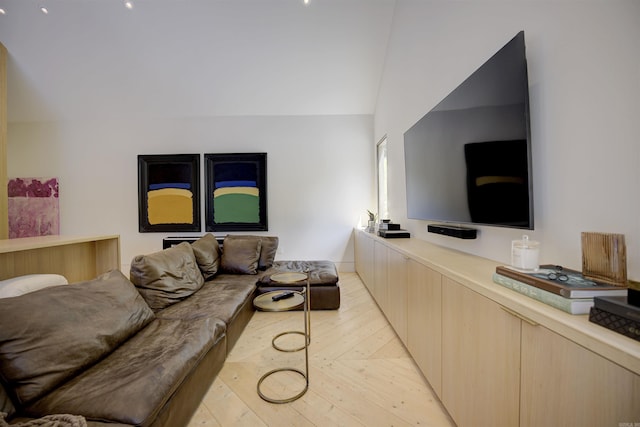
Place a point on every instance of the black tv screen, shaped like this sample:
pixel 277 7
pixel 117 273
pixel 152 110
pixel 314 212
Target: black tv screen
pixel 468 160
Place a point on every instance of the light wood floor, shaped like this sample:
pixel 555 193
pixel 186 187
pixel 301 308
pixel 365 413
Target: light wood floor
pixel 360 373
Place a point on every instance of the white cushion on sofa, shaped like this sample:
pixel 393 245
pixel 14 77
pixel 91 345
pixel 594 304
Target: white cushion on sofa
pixel 31 282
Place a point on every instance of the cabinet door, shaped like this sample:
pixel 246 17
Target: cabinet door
pixel 380 275
pixel 480 359
pixel 364 258
pixel 424 322
pixel 396 311
pixel 564 384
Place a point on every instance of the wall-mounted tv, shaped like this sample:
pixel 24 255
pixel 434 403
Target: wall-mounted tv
pixel 468 160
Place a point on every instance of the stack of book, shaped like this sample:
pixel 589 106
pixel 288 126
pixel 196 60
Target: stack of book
pixel 389 230
pixel 617 314
pixel 564 289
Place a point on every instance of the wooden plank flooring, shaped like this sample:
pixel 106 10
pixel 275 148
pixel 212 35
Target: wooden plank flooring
pixel 360 373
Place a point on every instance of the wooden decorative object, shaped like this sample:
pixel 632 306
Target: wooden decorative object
pixel 604 257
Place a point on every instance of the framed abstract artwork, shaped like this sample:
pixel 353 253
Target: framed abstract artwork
pixel 169 192
pixel 33 207
pixel 236 192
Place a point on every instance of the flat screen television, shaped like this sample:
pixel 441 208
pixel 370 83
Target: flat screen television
pixel 468 160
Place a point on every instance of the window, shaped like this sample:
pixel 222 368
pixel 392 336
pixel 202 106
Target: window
pixel 383 206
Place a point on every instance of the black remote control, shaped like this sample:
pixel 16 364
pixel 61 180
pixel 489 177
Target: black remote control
pixel 284 295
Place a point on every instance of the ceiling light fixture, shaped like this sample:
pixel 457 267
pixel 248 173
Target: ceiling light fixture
pixel 306 1
pixel 2 11
pixel 128 4
pixel 44 10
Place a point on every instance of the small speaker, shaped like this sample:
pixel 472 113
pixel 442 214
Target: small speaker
pixel 453 231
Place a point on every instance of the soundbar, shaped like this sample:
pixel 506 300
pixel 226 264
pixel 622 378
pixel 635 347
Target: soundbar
pixel 453 231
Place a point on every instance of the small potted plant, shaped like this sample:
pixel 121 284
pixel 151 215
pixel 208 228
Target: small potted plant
pixel 371 225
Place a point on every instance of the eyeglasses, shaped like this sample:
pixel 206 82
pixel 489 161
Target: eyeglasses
pixel 557 274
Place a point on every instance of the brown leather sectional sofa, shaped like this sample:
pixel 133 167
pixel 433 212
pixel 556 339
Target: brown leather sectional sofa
pixel 141 351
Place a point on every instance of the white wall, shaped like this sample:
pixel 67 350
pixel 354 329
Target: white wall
pixel 584 76
pixel 319 172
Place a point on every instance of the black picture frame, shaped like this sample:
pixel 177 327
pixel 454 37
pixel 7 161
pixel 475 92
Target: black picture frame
pixel 172 183
pixel 236 192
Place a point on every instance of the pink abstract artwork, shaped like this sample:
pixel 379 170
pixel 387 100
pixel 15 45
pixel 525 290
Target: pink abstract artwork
pixel 33 207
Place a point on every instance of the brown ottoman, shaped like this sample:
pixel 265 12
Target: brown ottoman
pixel 323 276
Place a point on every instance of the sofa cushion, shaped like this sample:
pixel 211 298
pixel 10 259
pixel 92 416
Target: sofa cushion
pixel 166 277
pixel 21 285
pixel 321 272
pixel 221 298
pixel 268 248
pixel 207 252
pixel 134 383
pixel 52 334
pixel 241 256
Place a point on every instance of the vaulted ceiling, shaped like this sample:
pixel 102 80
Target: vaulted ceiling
pixel 94 59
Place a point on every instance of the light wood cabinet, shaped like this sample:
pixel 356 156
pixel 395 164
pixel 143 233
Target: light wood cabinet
pixel 397 287
pixel 364 258
pixel 566 384
pixel 76 258
pixel 424 321
pixel 384 272
pixel 480 359
pixel 381 275
pixel 496 357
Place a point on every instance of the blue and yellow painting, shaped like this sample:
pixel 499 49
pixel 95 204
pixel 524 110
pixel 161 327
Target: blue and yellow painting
pixel 170 203
pixel 236 193
pixel 170 194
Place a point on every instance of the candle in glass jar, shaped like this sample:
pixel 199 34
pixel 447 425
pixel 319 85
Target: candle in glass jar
pixel 525 254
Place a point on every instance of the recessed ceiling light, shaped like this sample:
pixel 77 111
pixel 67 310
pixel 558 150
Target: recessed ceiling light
pixel 2 11
pixel 128 4
pixel 44 10
pixel 306 1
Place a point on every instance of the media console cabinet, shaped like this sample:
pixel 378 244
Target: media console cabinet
pixel 75 257
pixel 495 357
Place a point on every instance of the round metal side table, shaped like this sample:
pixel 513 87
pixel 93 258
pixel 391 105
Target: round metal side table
pixel 265 302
